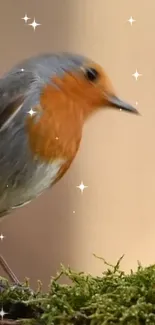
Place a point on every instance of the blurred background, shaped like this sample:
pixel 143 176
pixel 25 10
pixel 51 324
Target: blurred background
pixel 115 214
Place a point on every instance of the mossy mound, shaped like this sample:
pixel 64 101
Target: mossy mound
pixel 113 298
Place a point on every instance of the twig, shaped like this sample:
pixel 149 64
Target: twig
pixel 115 267
pixel 9 322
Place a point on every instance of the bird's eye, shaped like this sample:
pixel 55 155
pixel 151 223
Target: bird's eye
pixel 91 74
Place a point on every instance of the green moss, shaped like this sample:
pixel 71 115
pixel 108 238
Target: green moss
pixel 113 298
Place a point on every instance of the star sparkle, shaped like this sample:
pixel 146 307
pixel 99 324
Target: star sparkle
pixel 136 75
pixel 2 237
pixel 82 187
pixel 34 24
pixel 26 18
pixel 2 313
pixel 131 20
pixel 31 112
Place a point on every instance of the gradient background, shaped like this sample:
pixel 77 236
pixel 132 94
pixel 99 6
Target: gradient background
pixel 116 213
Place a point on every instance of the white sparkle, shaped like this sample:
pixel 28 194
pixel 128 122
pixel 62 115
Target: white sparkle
pixel 56 138
pixel 2 313
pixel 34 24
pixel 25 18
pixel 131 20
pixel 82 187
pixel 136 75
pixel 31 112
pixel 136 103
pixel 22 70
pixel 2 237
pixel 74 211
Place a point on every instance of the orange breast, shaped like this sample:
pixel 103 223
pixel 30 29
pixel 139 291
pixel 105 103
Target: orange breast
pixel 57 133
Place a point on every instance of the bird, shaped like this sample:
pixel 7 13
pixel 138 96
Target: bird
pixel 45 101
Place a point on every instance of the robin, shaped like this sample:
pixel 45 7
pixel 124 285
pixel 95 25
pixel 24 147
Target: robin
pixel 44 103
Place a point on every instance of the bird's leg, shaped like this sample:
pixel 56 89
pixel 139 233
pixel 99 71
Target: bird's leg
pixel 12 276
pixel 18 307
pixel 8 271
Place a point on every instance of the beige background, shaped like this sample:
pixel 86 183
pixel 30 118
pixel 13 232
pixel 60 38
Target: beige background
pixel 116 213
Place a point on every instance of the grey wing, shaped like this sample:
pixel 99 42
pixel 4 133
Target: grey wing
pixel 17 94
pixel 13 90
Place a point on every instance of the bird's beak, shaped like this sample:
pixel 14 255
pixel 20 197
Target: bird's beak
pixel 114 101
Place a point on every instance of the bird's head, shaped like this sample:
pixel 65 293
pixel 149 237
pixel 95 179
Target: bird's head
pixel 85 81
